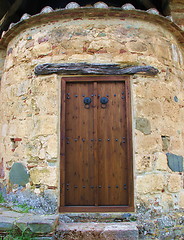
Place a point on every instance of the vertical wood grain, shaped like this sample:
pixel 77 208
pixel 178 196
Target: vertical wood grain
pixel 62 146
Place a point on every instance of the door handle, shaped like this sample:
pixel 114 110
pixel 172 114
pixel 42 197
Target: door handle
pixel 104 101
pixel 87 101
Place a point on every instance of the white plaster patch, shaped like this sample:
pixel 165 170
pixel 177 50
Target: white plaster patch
pixel 23 88
pixel 175 56
pixel 4 130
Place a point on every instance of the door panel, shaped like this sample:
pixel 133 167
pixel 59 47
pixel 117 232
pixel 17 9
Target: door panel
pixel 96 156
pixel 112 162
pixel 79 176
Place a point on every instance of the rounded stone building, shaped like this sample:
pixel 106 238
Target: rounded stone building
pixel 92 109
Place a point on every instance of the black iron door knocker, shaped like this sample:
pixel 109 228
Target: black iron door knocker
pixel 87 101
pixel 104 101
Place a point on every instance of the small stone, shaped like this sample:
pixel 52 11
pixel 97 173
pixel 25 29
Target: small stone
pixel 176 99
pixel 181 199
pixel 165 142
pixel 128 6
pixel 169 18
pixel 150 183
pixel 44 175
pixel 174 183
pixel 175 162
pixel 100 5
pixel 6 224
pixel 101 34
pixel 3 33
pixel 11 25
pixel 161 161
pixel 25 16
pixel 18 174
pixel 10 50
pixel 153 11
pixel 47 9
pixel 2 173
pixel 72 5
pixel 37 224
pixel 42 49
pixel 143 125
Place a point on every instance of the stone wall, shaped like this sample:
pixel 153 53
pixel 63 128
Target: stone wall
pixel 30 104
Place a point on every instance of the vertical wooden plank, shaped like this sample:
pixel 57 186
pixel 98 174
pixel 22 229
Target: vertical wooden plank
pixel 62 146
pixel 79 148
pixel 129 144
pixel 95 142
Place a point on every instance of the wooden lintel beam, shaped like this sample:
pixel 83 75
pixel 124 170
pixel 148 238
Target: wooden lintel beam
pixel 96 69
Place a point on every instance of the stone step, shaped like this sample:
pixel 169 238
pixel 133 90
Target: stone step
pixel 96 231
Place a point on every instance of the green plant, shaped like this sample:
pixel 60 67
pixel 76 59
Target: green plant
pixel 24 208
pixel 1 198
pixel 17 234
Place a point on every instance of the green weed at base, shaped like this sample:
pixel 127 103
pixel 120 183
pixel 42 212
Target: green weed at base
pixel 1 199
pixel 17 234
pixel 24 208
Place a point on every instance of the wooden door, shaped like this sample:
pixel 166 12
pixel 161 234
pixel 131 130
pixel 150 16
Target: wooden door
pixel 96 169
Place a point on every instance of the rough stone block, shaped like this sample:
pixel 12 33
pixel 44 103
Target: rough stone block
pixel 120 232
pixel 149 108
pixel 52 146
pixel 137 46
pixel 144 163
pixel 45 125
pixel 45 175
pixel 100 231
pixel 150 183
pixel 143 125
pixel 175 162
pixel 38 227
pixel 2 173
pixel 81 57
pixel 41 224
pixel 18 174
pixel 6 224
pixel 6 214
pixel 42 49
pixel 181 199
pixel 147 143
pixel 165 142
pixel 174 183
pixel 161 161
pixel 167 201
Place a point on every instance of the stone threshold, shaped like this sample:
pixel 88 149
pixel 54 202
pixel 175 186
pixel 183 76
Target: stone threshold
pixel 100 231
pixel 67 226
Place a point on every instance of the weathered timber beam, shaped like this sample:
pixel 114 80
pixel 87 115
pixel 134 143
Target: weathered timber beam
pixel 86 68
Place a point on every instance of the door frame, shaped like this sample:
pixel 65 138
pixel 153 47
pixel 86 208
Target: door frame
pixel 130 206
